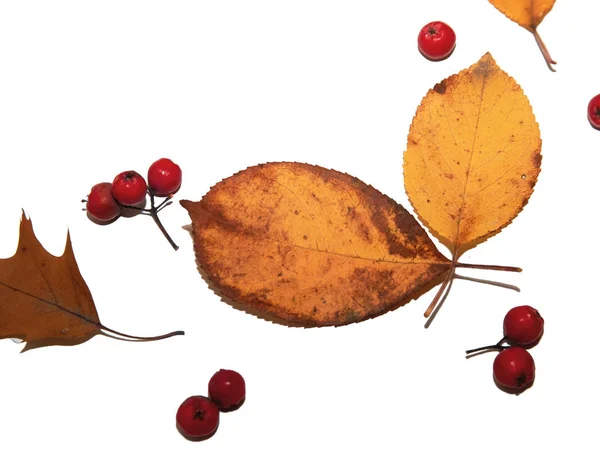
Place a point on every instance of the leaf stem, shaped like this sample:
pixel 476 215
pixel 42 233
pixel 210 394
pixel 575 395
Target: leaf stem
pixel 439 293
pixel 487 267
pixel 490 282
pixel 145 339
pixel 544 50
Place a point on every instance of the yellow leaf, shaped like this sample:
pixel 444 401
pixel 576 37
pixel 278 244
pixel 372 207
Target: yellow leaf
pixel 473 155
pixel 529 14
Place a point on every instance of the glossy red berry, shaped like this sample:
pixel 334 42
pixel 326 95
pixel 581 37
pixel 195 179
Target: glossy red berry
pixel 129 188
pixel 523 325
pixel 100 203
pixel 197 418
pixel 594 112
pixel 514 368
pixel 164 177
pixel 436 41
pixel 227 389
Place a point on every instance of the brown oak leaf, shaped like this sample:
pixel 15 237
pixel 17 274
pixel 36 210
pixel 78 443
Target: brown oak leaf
pixel 44 300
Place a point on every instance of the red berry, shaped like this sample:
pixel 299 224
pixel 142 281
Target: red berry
pixel 164 177
pixel 594 112
pixel 514 368
pixel 227 389
pixel 436 41
pixel 129 188
pixel 100 203
pixel 197 418
pixel 523 325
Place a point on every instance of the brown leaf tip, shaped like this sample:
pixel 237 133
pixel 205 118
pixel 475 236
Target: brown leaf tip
pixel 485 65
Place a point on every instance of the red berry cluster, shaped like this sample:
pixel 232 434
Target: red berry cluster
pixel 107 201
pixel 514 368
pixel 198 416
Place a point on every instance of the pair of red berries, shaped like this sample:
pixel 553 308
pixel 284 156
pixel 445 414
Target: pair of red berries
pixel 514 368
pixel 198 416
pixel 128 190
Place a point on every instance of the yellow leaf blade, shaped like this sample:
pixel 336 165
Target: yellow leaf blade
pixel 527 13
pixel 473 155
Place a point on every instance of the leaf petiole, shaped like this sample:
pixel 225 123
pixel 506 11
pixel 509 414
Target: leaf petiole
pixel 487 267
pixel 544 50
pixel 143 339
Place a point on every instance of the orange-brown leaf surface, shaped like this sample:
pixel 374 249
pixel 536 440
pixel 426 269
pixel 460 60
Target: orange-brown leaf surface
pixel 528 14
pixel 310 246
pixel 44 297
pixel 44 300
pixel 473 155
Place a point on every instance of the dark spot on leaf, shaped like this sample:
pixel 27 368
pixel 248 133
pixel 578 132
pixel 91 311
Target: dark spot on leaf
pixel 351 315
pixel 450 176
pixel 296 212
pixel 483 67
pixel 305 237
pixel 440 87
pixel 314 309
pixel 537 160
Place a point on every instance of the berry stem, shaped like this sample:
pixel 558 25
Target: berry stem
pixel 145 339
pixel 154 214
pixel 544 50
pixel 487 267
pixel 497 346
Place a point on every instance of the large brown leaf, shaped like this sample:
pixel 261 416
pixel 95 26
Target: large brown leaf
pixel 44 300
pixel 310 246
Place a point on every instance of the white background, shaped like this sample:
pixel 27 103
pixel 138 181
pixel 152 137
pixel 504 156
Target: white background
pixel 89 89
